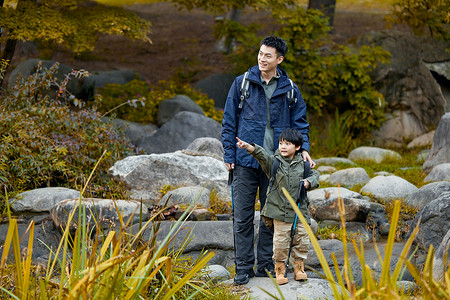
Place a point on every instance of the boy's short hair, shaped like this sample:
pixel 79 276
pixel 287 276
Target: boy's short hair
pixel 275 42
pixel 293 136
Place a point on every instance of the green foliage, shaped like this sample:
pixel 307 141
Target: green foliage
pixel 329 76
pixel 114 95
pixel 167 188
pixel 112 265
pixel 384 286
pixel 406 215
pixel 75 24
pixel 217 204
pixel 3 66
pixel 422 15
pixel 338 141
pixel 330 232
pixel 45 143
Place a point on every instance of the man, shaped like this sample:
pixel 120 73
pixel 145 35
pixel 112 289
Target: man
pixel 265 113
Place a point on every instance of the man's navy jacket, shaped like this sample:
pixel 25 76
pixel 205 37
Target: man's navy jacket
pixel 253 117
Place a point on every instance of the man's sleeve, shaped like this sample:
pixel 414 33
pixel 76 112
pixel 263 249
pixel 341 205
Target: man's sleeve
pixel 298 118
pixel 229 124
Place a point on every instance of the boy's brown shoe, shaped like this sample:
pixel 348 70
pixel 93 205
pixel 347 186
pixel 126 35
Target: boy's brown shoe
pixel 299 270
pixel 279 272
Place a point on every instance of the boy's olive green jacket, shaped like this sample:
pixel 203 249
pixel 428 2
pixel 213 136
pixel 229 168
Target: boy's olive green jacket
pixel 288 176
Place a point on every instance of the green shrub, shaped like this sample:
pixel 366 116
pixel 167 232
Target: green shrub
pixel 113 95
pixel 45 143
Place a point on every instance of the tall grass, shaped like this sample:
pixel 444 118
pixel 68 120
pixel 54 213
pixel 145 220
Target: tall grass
pixel 116 265
pixel 386 285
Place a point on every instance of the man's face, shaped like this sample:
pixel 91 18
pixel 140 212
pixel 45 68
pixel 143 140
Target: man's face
pixel 268 60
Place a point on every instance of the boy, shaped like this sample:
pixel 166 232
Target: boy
pixel 278 209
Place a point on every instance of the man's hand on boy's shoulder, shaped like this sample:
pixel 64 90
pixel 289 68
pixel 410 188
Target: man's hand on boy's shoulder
pixel 306 157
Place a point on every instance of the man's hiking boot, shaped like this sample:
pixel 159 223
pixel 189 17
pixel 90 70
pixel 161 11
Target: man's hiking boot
pixel 279 271
pixel 263 272
pixel 243 277
pixel 299 270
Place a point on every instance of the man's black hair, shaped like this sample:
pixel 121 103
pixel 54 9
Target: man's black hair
pixel 275 42
pixel 292 136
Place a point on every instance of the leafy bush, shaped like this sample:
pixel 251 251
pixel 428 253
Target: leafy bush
pixel 423 15
pixel 45 143
pixel 113 95
pixel 330 76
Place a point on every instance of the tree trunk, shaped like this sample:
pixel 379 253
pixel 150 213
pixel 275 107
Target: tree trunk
pixel 8 54
pixel 326 6
pixel 226 43
pixel 10 47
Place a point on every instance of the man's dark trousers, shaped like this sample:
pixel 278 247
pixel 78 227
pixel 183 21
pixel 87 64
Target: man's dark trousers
pixel 245 187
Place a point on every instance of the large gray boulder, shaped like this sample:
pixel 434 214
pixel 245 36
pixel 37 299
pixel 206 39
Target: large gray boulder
pixel 434 222
pixel 98 211
pixel 440 151
pixel 41 200
pixel 145 175
pixel 323 204
pixel 422 141
pixel 134 131
pixel 216 87
pixel 372 253
pixel 76 86
pixel 46 237
pixel 313 288
pixel 414 101
pixel 332 161
pixel 388 188
pixel 187 195
pixel 439 173
pixel 179 132
pixel 170 107
pixel 438 261
pixel 205 146
pixel 349 177
pixel 427 193
pixel 373 154
pixel 101 78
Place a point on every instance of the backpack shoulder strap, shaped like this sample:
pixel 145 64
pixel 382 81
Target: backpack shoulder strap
pixel 302 191
pixel 291 94
pixel 307 170
pixel 244 91
pixel 273 172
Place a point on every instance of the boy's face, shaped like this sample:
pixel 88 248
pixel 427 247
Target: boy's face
pixel 287 149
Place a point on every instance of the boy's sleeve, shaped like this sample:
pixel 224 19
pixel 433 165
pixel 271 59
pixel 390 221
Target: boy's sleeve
pixel 313 179
pixel 263 158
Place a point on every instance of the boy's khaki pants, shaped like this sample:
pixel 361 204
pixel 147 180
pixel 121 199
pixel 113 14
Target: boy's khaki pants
pixel 282 240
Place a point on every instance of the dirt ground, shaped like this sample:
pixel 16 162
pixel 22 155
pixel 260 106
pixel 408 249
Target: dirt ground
pixel 183 40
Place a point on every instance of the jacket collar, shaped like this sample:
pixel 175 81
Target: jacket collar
pixel 254 75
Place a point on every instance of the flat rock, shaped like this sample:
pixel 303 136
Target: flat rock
pixel 388 188
pixel 373 154
pixel 439 173
pixel 41 200
pixel 349 177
